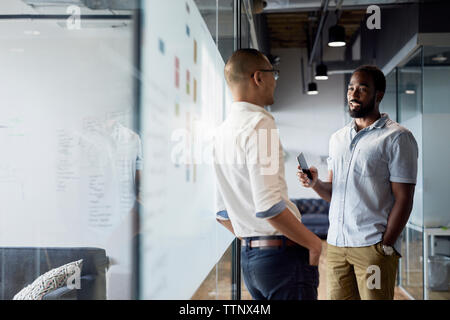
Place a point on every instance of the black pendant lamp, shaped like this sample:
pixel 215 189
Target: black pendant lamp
pixel 336 36
pixel 321 69
pixel 312 88
pixel 321 72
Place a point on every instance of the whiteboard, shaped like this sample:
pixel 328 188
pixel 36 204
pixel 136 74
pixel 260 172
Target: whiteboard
pixel 184 98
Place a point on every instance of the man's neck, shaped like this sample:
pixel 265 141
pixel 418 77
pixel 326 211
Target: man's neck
pixel 362 123
pixel 256 103
pixel 252 100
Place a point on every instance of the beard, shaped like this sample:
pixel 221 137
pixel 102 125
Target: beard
pixel 364 110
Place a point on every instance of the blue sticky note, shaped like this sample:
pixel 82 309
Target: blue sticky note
pixel 162 48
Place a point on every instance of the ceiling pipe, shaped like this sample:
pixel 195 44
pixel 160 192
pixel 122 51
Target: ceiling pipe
pixel 303 77
pixel 323 17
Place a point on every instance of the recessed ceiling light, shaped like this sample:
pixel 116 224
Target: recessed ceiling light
pixel 410 91
pixel 439 58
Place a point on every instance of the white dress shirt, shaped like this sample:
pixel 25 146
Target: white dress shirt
pixel 249 170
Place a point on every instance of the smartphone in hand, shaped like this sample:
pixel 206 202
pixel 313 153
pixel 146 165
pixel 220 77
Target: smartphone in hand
pixel 302 162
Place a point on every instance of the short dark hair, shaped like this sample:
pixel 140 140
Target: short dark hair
pixel 242 63
pixel 377 76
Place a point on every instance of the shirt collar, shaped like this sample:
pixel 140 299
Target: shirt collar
pixel 243 105
pixel 380 123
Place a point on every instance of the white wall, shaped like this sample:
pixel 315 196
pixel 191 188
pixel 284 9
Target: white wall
pixel 305 122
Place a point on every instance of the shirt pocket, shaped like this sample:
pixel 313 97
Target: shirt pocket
pixel 367 163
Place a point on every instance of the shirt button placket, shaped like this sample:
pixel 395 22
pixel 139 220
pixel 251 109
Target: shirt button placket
pixel 347 171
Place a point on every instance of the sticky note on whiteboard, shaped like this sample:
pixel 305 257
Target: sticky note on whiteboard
pixel 188 80
pixel 177 72
pixel 195 90
pixel 195 51
pixel 162 46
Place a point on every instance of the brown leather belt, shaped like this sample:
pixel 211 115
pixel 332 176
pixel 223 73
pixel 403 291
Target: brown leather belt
pixel 268 243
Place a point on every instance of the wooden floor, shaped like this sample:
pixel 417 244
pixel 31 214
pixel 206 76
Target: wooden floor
pixel 217 286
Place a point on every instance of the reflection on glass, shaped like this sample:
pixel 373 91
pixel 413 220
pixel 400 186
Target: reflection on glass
pixel 410 115
pixel 436 130
pixel 220 22
pixel 245 26
pixel 217 285
pixel 389 103
pixel 411 272
pixel 70 156
pixel 424 109
pixel 183 100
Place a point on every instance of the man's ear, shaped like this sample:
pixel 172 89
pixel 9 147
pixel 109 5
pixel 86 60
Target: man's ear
pixel 257 78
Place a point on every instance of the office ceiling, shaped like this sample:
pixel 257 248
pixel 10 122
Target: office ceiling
pixel 290 21
pixel 307 5
pixel 290 29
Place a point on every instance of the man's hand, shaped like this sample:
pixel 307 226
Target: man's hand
pixel 314 257
pixel 227 224
pixel 292 228
pixel 400 212
pixel 305 181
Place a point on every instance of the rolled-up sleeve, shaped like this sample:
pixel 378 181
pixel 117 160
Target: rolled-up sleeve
pixel 221 212
pixel 403 159
pixel 263 164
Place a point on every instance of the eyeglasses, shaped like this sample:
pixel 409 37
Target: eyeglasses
pixel 276 73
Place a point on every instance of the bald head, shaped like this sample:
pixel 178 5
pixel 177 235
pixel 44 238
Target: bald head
pixel 242 64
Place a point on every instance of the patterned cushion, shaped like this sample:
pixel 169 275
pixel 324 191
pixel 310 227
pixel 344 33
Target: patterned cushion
pixel 49 281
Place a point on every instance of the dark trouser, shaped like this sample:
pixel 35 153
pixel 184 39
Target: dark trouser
pixel 279 273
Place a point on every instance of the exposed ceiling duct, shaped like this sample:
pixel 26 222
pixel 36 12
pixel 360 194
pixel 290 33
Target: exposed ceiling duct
pixel 308 5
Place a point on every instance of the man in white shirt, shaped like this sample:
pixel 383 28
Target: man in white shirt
pixel 280 255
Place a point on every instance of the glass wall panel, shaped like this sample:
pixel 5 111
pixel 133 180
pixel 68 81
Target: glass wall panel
pixel 389 103
pixel 436 116
pixel 436 159
pixel 71 156
pixel 411 263
pixel 217 285
pixel 219 18
pixel 245 25
pixel 409 90
pixel 409 93
pixel 183 99
pixel 424 109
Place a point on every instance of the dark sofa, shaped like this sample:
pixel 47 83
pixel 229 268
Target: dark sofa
pixel 20 266
pixel 314 215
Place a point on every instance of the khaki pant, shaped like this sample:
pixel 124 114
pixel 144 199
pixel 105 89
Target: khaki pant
pixel 360 273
